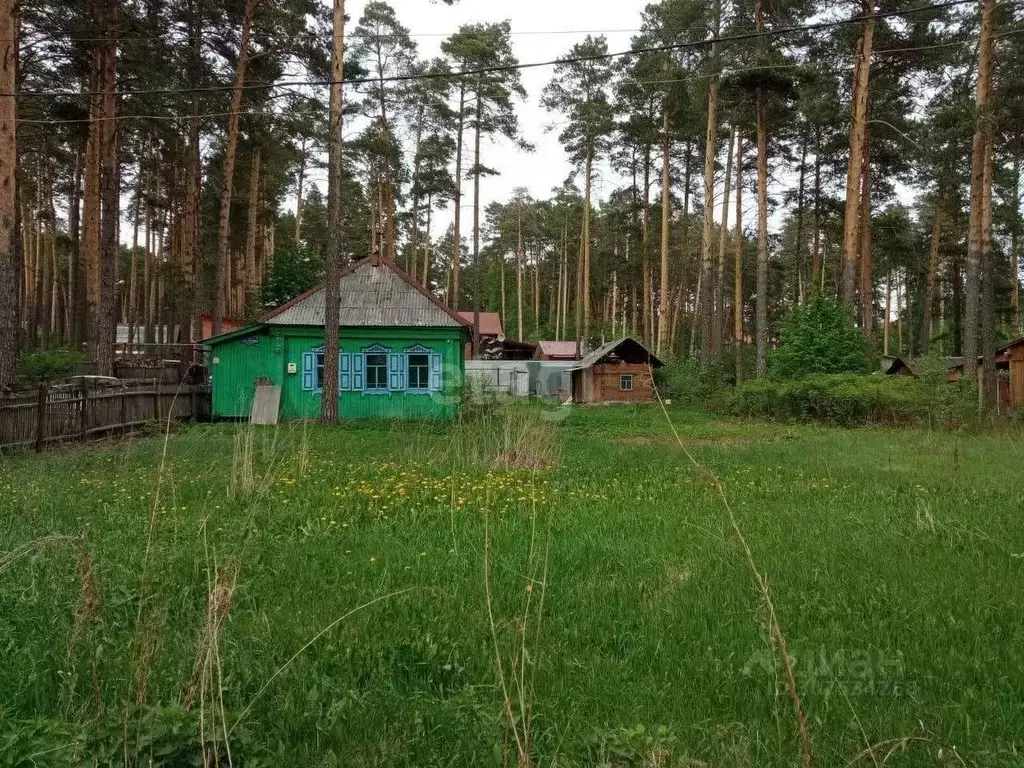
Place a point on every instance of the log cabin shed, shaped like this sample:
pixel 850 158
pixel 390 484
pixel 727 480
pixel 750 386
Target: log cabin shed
pixel 617 372
pixel 400 351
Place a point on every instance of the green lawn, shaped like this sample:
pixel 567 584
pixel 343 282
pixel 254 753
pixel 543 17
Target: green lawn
pixel 619 595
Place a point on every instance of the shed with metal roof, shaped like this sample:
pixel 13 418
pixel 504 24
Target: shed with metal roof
pixel 621 371
pixel 400 351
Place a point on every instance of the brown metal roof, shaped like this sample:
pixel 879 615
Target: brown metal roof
pixel 490 322
pixel 373 292
pixel 625 348
pixel 563 349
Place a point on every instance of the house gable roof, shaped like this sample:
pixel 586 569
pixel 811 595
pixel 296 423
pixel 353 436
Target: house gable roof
pixel 626 348
pixel 374 292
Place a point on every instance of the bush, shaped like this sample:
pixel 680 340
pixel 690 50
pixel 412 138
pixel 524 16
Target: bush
pixel 687 381
pixel 818 337
pixel 851 399
pixel 46 365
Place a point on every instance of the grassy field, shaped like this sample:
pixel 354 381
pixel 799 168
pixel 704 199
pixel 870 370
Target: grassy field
pixel 573 591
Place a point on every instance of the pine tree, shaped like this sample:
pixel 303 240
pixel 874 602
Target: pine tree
pixel 579 89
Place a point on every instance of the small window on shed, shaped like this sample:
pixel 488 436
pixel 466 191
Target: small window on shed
pixel 319 370
pixel 626 382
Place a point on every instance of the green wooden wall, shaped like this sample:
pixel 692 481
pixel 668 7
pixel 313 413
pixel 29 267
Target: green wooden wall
pixel 237 362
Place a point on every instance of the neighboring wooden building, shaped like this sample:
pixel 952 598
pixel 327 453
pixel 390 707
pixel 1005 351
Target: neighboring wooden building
pixel 400 347
pixel 617 372
pixel 1009 370
pixel 557 350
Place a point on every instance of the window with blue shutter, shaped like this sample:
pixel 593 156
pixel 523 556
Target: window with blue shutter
pixel 435 372
pixel 309 371
pixel 358 374
pixel 396 368
pixel 344 372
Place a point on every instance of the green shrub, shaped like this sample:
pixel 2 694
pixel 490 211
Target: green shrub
pixel 817 337
pixel 46 365
pixel 852 399
pixel 689 382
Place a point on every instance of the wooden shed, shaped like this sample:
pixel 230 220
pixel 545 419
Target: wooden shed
pixel 400 351
pixel 1009 370
pixel 617 372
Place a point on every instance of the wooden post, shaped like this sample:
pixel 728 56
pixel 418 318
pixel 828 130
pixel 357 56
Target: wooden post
pixel 156 400
pixel 124 410
pixel 84 413
pixel 193 400
pixel 40 417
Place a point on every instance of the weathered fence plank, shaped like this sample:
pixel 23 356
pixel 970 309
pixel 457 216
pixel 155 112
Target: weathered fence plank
pixel 55 413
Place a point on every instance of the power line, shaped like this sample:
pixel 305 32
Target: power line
pixel 314 35
pixel 633 81
pixel 509 67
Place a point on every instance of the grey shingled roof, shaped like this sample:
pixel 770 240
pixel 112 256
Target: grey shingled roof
pixel 605 349
pixel 371 295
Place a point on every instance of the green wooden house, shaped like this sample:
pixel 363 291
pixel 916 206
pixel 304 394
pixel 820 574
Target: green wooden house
pixel 400 351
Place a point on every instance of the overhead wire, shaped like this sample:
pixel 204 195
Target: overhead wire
pixel 632 81
pixel 475 72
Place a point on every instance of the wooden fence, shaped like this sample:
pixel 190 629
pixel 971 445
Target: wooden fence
pixel 76 412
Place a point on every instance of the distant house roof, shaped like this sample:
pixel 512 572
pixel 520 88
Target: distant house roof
pixel 565 350
pixel 490 322
pixel 373 292
pixel 627 349
pixel 896 366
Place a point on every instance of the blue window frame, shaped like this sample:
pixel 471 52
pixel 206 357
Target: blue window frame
pixel 626 382
pixel 419 371
pixel 373 371
pixel 417 367
pixel 376 371
pixel 313 370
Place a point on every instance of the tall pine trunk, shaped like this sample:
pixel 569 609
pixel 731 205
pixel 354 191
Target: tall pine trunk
pixel 477 266
pixel 231 145
pixel 798 250
pixel 737 277
pixel 299 189
pixel 664 296
pixel 647 310
pixel 193 178
pixel 761 309
pixel 410 262
pixel 457 231
pixel 586 297
pixel 252 229
pixel 705 307
pixel 867 277
pixel 723 241
pixel 520 265
pixel 10 269
pixel 332 277
pixel 931 276
pixel 858 138
pixel 110 203
pixel 989 390
pixel 1015 247
pixel 979 154
pixel 816 245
